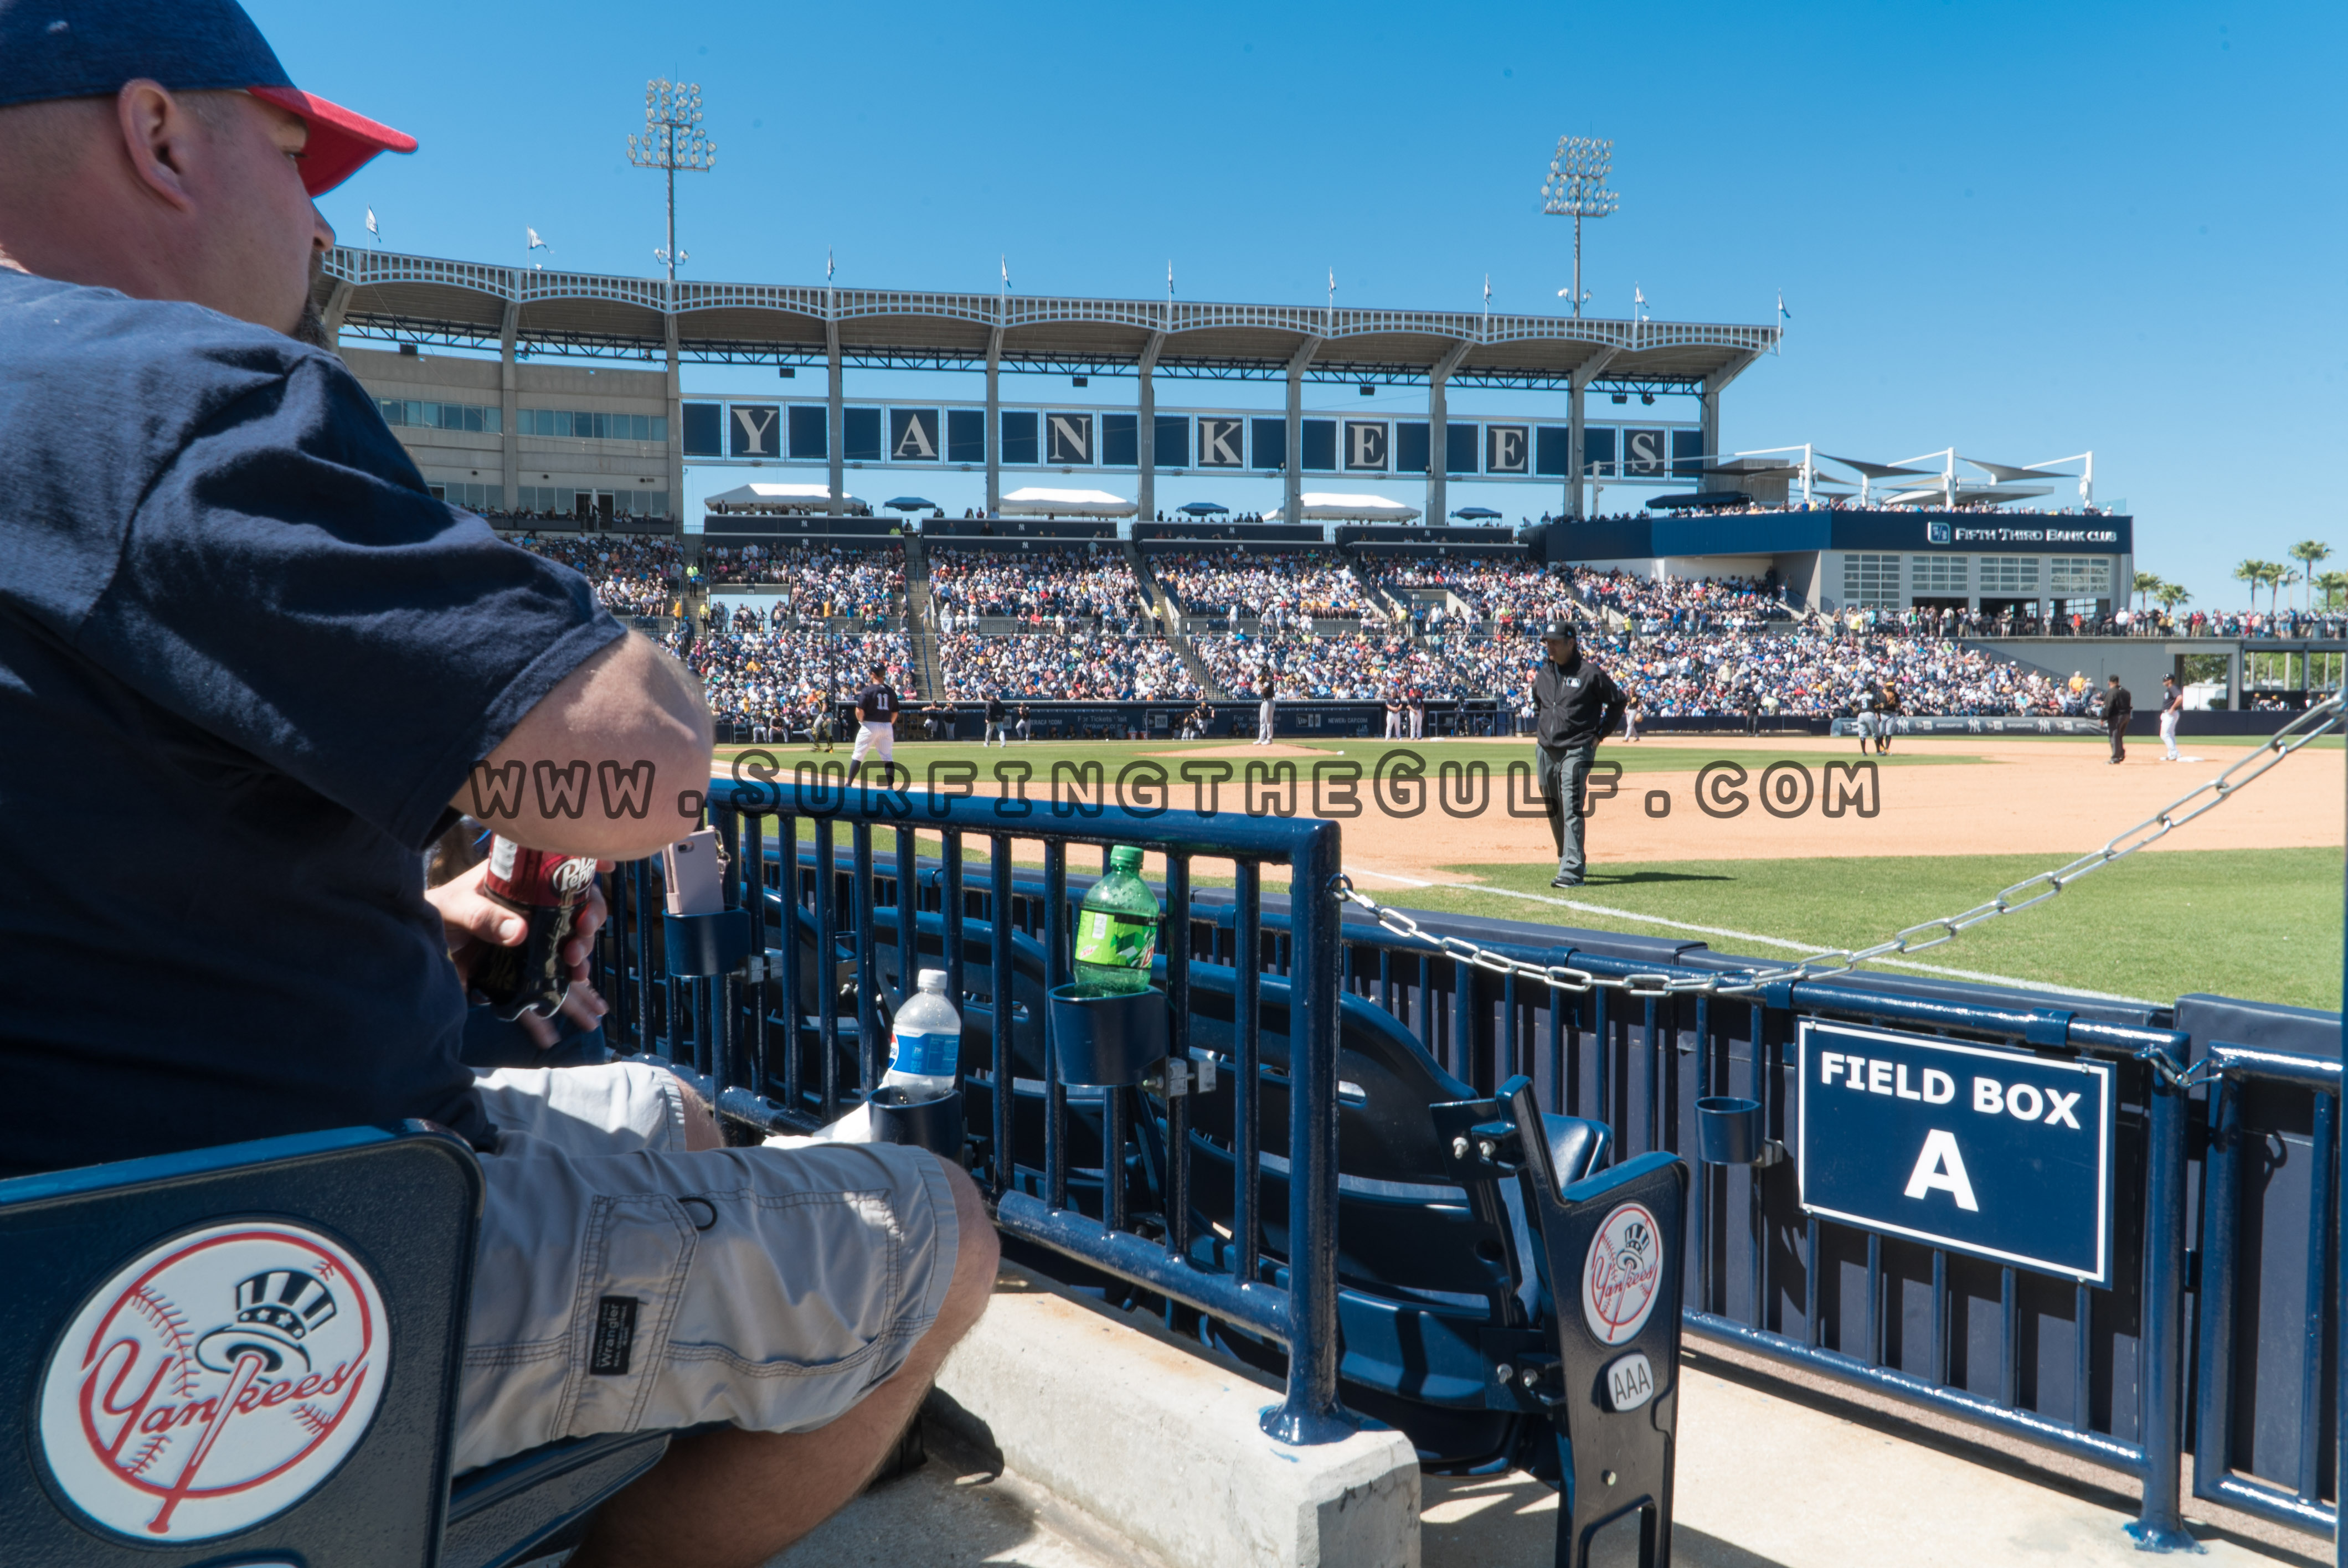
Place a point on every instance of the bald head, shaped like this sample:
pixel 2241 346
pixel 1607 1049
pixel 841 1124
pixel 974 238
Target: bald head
pixel 165 196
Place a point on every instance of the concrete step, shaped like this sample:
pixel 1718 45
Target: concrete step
pixel 961 1509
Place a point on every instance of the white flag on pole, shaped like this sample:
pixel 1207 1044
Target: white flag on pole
pixel 371 223
pixel 535 242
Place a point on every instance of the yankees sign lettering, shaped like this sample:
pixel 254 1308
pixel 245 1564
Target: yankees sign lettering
pixel 214 1381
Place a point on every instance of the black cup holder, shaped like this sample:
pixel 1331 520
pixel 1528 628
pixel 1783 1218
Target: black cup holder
pixel 1106 1041
pixel 932 1122
pixel 1729 1131
pixel 698 945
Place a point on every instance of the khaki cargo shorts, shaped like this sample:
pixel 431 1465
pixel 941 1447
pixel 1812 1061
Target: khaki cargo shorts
pixel 625 1285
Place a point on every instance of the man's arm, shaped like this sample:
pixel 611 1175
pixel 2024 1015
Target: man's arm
pixel 597 767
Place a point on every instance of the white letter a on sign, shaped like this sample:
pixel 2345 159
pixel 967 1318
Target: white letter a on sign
pixel 1941 1167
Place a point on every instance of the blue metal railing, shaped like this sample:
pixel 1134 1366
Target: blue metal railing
pixel 1833 1298
pixel 2102 1373
pixel 2275 1353
pixel 770 1063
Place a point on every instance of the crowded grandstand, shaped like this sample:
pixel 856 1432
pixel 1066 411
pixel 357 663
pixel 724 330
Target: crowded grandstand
pixel 1074 625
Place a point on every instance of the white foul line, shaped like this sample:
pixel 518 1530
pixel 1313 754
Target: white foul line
pixel 1753 937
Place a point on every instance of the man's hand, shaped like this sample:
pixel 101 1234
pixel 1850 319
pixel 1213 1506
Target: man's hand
pixel 473 923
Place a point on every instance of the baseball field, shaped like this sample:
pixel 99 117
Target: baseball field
pixel 1774 848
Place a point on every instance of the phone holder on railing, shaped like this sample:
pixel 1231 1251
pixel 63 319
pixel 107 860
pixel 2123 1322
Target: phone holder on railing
pixel 1729 1131
pixel 1108 1040
pixel 934 1122
pixel 697 945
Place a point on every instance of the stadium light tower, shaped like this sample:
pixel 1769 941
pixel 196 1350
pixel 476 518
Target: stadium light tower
pixel 1576 188
pixel 672 140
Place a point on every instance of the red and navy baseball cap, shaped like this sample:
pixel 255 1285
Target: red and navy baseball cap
pixel 87 48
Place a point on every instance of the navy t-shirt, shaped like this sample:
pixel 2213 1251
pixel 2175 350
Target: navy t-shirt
pixel 245 661
pixel 878 702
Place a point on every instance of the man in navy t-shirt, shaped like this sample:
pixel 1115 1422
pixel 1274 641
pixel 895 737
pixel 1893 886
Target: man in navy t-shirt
pixel 249 669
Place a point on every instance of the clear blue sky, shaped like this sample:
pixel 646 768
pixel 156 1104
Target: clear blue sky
pixel 2025 230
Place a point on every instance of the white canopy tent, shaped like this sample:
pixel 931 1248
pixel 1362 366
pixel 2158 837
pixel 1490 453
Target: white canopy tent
pixel 1036 502
pixel 787 498
pixel 1324 505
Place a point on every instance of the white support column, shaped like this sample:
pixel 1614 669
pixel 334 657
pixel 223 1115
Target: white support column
pixel 1713 385
pixel 836 443
pixel 1145 434
pixel 1438 441
pixel 1293 491
pixel 338 304
pixel 995 422
pixel 509 406
pixel 1576 386
pixel 676 428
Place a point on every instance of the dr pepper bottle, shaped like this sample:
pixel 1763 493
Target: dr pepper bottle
pixel 547 891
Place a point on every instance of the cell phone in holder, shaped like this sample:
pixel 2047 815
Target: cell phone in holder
pixel 693 870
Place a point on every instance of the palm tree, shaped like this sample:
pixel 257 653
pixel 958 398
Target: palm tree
pixel 2144 587
pixel 2171 596
pixel 2279 576
pixel 2254 573
pixel 2334 585
pixel 2307 552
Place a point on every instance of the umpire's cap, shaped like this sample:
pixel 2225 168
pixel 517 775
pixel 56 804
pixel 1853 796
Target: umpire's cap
pixel 53 49
pixel 1559 631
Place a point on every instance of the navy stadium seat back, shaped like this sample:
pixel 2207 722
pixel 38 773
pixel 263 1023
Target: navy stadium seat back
pixel 1439 1281
pixel 120 1245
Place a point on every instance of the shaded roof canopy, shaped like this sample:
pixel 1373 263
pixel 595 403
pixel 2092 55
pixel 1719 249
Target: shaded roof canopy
pixel 420 299
pixel 1035 501
pixel 773 499
pixel 1327 505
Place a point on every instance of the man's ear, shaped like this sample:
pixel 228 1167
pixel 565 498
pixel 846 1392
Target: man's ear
pixel 159 133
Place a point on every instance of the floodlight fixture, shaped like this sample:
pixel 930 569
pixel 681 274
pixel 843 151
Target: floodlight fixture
pixel 673 141
pixel 1576 188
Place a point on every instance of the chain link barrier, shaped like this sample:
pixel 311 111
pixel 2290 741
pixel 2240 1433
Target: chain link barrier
pixel 2321 719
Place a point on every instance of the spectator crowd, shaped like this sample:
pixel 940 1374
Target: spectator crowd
pixel 1058 587
pixel 1291 588
pixel 631 577
pixel 1079 666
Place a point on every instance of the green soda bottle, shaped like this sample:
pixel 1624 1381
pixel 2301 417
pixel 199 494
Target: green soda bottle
pixel 1116 928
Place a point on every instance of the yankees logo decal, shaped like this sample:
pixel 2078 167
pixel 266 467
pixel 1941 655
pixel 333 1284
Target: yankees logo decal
pixel 1622 1275
pixel 214 1381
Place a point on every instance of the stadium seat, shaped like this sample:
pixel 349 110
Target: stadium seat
pixel 1435 1274
pixel 163 1297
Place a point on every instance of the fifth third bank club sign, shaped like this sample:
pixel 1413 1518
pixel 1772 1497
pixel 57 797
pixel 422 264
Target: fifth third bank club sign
pixel 1999 1154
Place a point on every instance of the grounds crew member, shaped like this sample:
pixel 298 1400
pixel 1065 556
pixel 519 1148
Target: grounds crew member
pixel 2118 709
pixel 231 601
pixel 1576 704
pixel 2172 702
pixel 876 723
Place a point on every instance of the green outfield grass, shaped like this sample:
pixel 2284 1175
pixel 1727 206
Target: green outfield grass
pixel 2261 923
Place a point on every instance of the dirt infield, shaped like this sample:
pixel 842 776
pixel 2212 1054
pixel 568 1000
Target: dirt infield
pixel 2047 797
pixel 2027 796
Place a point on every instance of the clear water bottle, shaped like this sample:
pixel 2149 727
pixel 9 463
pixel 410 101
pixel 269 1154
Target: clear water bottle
pixel 928 1043
pixel 1116 928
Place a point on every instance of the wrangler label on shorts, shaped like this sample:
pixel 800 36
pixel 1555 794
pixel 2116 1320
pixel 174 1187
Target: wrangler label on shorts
pixel 615 1336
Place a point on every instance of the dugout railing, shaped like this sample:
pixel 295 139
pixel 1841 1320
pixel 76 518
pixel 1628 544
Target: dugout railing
pixel 736 1027
pixel 2211 1338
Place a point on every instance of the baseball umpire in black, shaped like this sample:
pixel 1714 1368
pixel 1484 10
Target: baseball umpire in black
pixel 2118 709
pixel 1575 705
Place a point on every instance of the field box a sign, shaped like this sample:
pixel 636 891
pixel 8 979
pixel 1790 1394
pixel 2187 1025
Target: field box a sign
pixel 1999 1154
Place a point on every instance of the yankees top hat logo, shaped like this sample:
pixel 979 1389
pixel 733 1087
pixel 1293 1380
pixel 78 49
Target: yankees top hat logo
pixel 1622 1275
pixel 213 1382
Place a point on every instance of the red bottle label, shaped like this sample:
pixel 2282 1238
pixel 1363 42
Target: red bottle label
pixel 535 877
